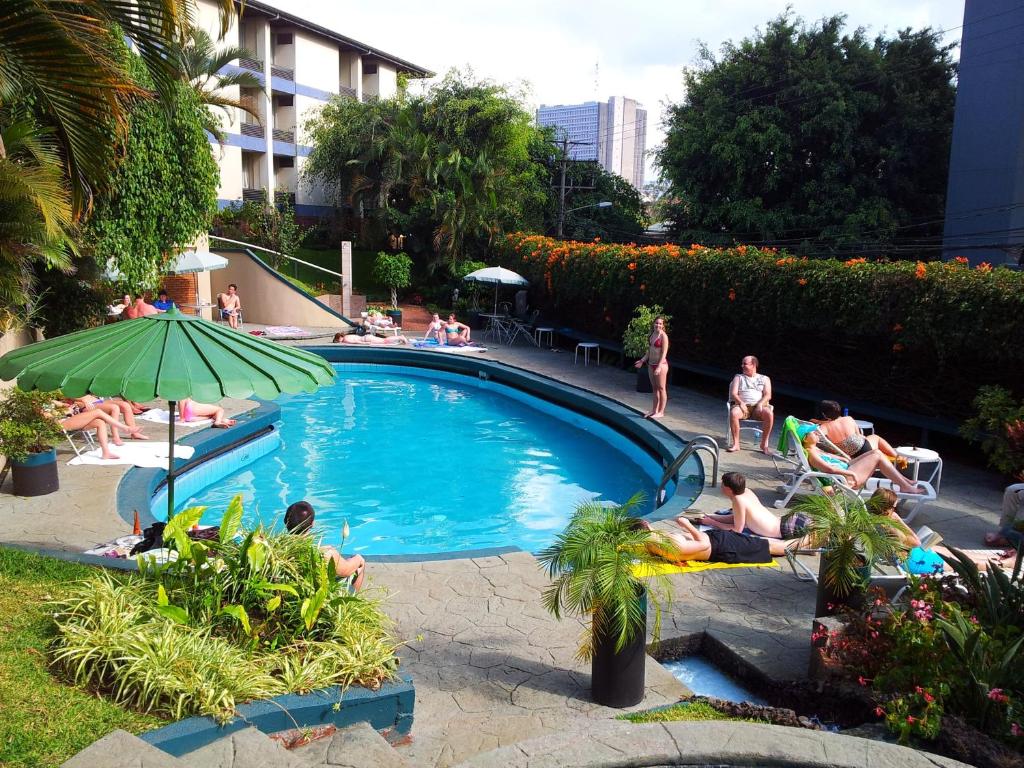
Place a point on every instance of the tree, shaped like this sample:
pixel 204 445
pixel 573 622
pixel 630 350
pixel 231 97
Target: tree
pixel 163 192
pixel 623 221
pixel 203 68
pixel 448 170
pixel 815 139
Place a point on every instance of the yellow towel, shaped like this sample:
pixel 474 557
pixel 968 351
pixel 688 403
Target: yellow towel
pixel 643 570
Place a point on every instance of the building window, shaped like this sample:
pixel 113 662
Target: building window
pixel 369 69
pixel 285 38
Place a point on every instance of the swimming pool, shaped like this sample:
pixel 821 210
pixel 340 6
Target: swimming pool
pixel 421 461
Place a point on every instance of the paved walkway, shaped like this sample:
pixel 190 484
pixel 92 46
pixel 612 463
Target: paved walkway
pixel 491 667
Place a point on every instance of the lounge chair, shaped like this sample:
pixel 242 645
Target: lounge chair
pixel 792 452
pixel 87 438
pixel 523 327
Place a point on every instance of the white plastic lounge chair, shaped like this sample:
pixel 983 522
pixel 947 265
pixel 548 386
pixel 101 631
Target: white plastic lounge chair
pixel 87 438
pixel 802 473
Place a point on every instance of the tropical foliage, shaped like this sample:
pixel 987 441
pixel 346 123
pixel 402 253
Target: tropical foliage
pixel 394 272
pixel 592 565
pixel 250 615
pixel 449 169
pixel 816 139
pixel 621 222
pixel 998 426
pixel 914 326
pixel 951 649
pixel 638 330
pixel 851 536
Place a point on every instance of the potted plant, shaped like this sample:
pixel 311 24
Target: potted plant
pixel 852 539
pixel 393 271
pixel 636 336
pixel 592 565
pixel 28 434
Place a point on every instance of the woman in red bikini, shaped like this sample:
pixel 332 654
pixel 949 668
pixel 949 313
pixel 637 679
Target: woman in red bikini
pixel 656 361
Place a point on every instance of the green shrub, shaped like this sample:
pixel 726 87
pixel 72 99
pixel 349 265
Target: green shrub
pixel 999 428
pixel 393 271
pixel 920 337
pixel 249 616
pixel 25 426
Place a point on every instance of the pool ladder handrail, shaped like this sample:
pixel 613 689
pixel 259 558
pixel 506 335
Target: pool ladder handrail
pixel 698 443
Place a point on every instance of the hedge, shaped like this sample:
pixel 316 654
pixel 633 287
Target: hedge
pixel 916 336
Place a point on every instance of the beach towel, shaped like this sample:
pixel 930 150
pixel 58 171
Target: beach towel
pixel 163 416
pixel 285 330
pixel 433 346
pixel 642 571
pixel 138 453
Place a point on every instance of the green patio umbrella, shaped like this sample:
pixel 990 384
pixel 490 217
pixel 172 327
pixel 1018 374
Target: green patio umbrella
pixel 169 355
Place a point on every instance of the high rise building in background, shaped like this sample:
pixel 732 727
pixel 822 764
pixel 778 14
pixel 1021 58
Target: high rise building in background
pixel 612 133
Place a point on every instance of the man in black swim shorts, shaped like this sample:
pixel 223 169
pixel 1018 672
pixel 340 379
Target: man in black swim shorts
pixel 716 546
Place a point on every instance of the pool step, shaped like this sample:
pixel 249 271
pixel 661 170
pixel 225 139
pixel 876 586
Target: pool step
pixel 357 746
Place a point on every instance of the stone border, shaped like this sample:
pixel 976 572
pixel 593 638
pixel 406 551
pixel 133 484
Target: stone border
pixel 389 710
pixel 617 744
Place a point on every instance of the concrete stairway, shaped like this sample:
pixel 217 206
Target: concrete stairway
pixel 358 746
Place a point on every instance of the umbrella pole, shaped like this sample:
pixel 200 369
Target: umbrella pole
pixel 495 298
pixel 170 462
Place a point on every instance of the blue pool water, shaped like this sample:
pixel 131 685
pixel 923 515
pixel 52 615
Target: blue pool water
pixel 705 679
pixel 429 462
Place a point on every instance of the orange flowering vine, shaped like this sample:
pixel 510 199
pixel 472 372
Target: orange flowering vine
pixel 961 260
pixel 802 281
pixel 984 267
pixel 732 294
pixel 632 266
pixel 920 272
pixel 897 347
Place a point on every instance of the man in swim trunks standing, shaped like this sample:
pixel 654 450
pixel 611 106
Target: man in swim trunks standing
pixel 750 395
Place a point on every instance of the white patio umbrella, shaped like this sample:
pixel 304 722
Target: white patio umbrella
pixel 197 261
pixel 498 276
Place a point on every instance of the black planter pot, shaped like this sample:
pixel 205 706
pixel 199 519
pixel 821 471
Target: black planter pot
pixel 617 678
pixel 825 597
pixel 396 316
pixel 643 380
pixel 36 475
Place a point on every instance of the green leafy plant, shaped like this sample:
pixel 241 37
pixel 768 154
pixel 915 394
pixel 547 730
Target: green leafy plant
pixel 26 423
pixel 851 536
pixel 393 271
pixel 638 330
pixel 592 565
pixel 998 427
pixel 250 615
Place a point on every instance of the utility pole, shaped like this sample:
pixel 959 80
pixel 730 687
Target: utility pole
pixel 561 186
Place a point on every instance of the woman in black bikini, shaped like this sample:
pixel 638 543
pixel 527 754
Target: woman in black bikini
pixel 656 361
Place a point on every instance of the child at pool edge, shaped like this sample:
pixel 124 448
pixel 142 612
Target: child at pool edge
pixel 298 519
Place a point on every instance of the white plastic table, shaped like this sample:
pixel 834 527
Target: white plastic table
pixel 497 326
pixel 917 457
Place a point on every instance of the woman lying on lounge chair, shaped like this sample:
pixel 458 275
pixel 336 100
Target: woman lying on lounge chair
pixel 858 469
pixel 114 407
pixel 190 409
pixel 351 338
pixel 844 432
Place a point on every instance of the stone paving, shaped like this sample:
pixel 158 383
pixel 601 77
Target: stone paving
pixel 490 666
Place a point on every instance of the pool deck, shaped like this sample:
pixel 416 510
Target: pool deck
pixel 490 666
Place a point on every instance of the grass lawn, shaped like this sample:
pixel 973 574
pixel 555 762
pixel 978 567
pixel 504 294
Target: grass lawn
pixel 684 710
pixel 42 721
pixel 362 269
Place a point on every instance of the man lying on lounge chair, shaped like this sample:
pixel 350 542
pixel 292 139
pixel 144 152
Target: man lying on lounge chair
pixel 715 546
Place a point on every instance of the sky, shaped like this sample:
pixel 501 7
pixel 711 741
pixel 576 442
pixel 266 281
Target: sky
pixel 573 51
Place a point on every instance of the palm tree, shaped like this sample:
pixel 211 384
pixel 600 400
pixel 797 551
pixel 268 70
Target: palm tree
pixel 36 215
pixel 592 565
pixel 202 67
pixel 64 57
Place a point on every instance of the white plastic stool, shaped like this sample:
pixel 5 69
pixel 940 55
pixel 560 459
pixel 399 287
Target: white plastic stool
pixel 540 333
pixel 586 346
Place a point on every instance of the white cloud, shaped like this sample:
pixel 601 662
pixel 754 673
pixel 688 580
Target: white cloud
pixel 568 52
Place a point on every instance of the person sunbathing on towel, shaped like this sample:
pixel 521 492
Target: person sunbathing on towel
pixel 435 330
pixel 715 546
pixel 456 333
pixel 368 340
pixel 748 513
pixel 859 468
pixel 298 519
pixel 189 409
pixel 75 417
